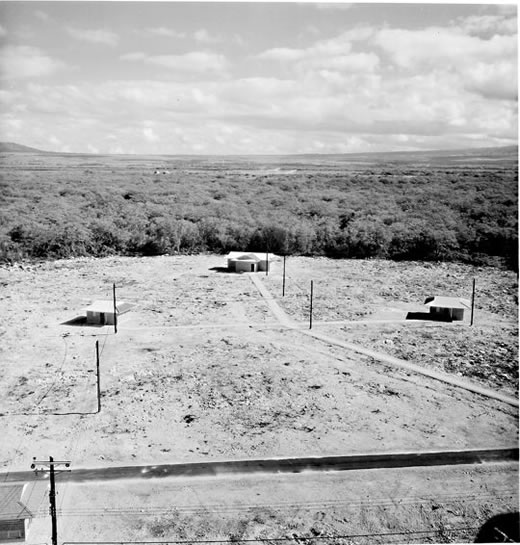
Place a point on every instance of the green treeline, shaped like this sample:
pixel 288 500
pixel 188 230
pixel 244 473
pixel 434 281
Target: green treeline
pixel 442 214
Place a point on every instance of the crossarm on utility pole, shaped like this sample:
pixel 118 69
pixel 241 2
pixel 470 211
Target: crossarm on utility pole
pixel 52 491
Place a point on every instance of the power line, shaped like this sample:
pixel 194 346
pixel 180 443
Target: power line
pixel 24 435
pixel 56 374
pixel 52 494
pixel 221 509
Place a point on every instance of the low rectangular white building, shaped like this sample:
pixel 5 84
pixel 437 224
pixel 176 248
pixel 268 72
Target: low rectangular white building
pixel 102 312
pixel 447 308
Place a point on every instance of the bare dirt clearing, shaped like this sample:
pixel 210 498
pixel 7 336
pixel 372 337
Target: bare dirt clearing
pixel 201 368
pixel 366 292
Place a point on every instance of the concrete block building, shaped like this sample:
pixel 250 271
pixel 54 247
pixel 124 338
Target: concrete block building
pixel 250 261
pixel 447 308
pixel 102 312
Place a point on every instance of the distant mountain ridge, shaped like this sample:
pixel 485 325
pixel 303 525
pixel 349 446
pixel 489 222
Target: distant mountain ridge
pixel 12 147
pixel 488 152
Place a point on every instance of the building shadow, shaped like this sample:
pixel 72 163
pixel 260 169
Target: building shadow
pixel 80 321
pixel 427 316
pixel 221 270
pixel 503 528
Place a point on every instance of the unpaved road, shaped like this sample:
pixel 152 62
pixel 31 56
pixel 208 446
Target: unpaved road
pixel 407 505
pixel 277 465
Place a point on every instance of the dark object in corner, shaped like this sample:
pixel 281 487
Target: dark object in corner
pixel 504 528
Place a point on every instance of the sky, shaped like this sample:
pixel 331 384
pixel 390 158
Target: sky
pixel 257 78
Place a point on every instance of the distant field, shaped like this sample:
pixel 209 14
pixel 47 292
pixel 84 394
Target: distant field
pixel 421 206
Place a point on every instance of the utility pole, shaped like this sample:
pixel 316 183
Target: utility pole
pixel 472 303
pixel 267 263
pixel 283 284
pixel 52 491
pixel 98 379
pixel 310 313
pixel 115 307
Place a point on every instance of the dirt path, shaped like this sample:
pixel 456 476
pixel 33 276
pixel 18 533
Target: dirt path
pixel 280 314
pixel 384 358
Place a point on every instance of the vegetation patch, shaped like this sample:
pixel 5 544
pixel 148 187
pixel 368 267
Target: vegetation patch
pixel 402 211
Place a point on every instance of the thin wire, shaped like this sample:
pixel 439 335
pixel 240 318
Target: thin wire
pixel 78 435
pixel 24 436
pixel 219 509
pixel 56 374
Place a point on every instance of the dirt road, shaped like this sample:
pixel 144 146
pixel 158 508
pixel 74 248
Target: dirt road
pixel 407 505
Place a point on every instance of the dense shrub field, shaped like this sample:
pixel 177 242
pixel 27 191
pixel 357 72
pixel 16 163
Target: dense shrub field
pixel 56 206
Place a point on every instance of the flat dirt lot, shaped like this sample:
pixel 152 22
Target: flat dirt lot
pixel 201 369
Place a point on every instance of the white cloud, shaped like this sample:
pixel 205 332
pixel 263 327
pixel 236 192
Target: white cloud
pixel 202 35
pixel 493 80
pixel 365 89
pixel 489 24
pixel 165 31
pixel 282 54
pixel 20 61
pixel 335 54
pixel 333 5
pixel 435 46
pixel 196 62
pixel 353 62
pixel 3 32
pixel 95 36
pixel 42 15
pixel 135 56
pixel 487 66
pixel 150 135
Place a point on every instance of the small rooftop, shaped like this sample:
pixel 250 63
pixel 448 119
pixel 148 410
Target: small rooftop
pixel 259 256
pixel 247 257
pixel 11 508
pixel 447 302
pixel 108 307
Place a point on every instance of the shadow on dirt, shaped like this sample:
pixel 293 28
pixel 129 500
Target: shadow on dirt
pixel 221 270
pixel 80 321
pixel 427 316
pixel 503 528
